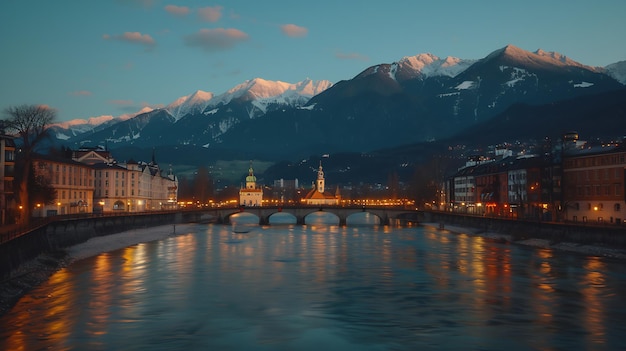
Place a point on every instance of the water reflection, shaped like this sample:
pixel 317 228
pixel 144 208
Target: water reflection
pixel 294 287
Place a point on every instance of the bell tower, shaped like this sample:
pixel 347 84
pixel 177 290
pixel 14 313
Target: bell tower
pixel 320 179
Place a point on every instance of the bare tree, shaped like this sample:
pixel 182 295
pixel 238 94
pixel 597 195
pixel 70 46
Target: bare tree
pixel 30 123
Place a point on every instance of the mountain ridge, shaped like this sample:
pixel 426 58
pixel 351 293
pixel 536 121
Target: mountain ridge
pixel 418 98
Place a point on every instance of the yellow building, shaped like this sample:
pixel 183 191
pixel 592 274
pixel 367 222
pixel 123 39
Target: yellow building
pixel 251 195
pixel 73 182
pixel 318 195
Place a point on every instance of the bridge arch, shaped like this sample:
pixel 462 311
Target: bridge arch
pixel 282 218
pixel 264 213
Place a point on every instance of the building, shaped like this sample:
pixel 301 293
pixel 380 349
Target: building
pixel 318 195
pixel 92 155
pixel 250 195
pixel 513 186
pixel 134 187
pixel 72 181
pixel 286 191
pixel 7 172
pixel 593 184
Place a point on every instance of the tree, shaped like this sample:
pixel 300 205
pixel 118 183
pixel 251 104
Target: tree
pixel 40 189
pixel 30 123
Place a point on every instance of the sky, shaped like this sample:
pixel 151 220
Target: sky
pixel 113 57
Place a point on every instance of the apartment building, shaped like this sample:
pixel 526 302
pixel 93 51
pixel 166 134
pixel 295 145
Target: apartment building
pixel 7 172
pixel 72 181
pixel 593 184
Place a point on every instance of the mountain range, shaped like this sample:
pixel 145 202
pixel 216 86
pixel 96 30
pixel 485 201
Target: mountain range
pixel 417 99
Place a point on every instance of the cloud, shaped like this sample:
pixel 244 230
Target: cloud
pixel 351 56
pixel 133 38
pixel 216 39
pixel 292 30
pixel 179 11
pixel 121 102
pixel 142 3
pixel 80 93
pixel 210 14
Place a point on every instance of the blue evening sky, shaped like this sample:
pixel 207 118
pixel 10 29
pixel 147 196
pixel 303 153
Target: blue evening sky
pixel 111 57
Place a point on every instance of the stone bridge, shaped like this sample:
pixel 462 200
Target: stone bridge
pixel 386 214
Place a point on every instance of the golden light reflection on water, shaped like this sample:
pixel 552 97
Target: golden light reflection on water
pixel 592 289
pixel 406 278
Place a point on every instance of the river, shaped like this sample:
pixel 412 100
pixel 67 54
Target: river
pixel 324 287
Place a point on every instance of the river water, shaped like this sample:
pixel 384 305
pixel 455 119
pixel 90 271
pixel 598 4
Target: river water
pixel 324 287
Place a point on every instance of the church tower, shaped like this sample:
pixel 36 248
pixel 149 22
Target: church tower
pixel 250 179
pixel 318 195
pixel 320 179
pixel 250 195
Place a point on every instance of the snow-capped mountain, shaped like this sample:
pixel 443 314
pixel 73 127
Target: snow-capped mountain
pixel 261 94
pixel 76 127
pixel 185 105
pixel 420 66
pixel 618 71
pixel 198 118
pixel 423 99
pixel 418 98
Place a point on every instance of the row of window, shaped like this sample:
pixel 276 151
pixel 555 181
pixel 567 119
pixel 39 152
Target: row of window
pixel 599 207
pixel 597 190
pixel 615 159
pixel 78 195
pixel 117 174
pixel 597 174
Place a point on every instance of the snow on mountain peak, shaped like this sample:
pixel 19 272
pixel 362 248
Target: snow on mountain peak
pixel 429 65
pixel 539 58
pixel 617 70
pixel 189 104
pixel 92 121
pixel 261 89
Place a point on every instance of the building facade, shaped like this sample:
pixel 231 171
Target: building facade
pixel 250 194
pixel 593 184
pixel 510 187
pixel 7 173
pixel 72 181
pixel 134 187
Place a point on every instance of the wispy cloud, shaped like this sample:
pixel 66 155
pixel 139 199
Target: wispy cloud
pixel 210 14
pixel 179 11
pixel 80 93
pixel 134 38
pixel 351 56
pixel 142 3
pixel 216 39
pixel 292 30
pixel 121 103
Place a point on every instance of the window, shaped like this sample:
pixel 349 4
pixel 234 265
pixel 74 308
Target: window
pixel 617 207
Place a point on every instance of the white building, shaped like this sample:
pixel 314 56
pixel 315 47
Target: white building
pixel 251 195
pixel 130 187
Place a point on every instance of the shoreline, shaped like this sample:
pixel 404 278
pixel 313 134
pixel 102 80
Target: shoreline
pixel 37 271
pixel 584 249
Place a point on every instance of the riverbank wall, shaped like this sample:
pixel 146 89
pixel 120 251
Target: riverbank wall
pixel 580 233
pixel 54 236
